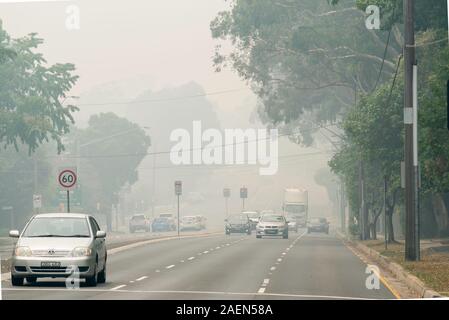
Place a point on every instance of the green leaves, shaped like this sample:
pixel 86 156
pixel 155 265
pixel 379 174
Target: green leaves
pixel 32 94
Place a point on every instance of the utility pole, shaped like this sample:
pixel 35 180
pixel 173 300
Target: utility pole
pixel 410 160
pixel 362 215
pixel 153 197
pixel 385 214
pixel 342 206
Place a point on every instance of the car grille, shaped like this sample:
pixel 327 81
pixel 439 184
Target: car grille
pixel 46 253
pixel 49 269
pixel 271 227
pixel 57 269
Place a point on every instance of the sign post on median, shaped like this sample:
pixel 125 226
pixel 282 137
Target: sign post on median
pixel 243 196
pixel 67 178
pixel 37 202
pixel 226 195
pixel 178 193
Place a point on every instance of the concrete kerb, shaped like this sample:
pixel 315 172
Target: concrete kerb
pixel 7 276
pixel 395 269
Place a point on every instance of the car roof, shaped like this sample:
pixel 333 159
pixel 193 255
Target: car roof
pixel 62 215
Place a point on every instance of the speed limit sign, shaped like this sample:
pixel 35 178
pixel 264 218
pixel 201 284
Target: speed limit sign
pixel 67 178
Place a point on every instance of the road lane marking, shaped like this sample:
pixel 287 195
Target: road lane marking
pixel 273 268
pixel 265 282
pixel 206 252
pixel 279 260
pixel 158 270
pixel 170 266
pixel 118 287
pixel 381 278
pixel 182 261
pixel 185 292
pixel 191 258
pixel 141 278
pixel 261 290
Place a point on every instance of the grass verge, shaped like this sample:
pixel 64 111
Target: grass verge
pixel 433 269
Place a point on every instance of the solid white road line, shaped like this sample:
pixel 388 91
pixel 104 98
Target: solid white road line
pixel 249 294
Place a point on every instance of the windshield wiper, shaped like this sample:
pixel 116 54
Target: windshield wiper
pixel 59 236
pixel 77 236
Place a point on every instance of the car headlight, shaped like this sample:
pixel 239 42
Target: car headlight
pixel 81 252
pixel 22 252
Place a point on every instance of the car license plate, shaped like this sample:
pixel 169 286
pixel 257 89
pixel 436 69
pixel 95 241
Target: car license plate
pixel 272 231
pixel 50 264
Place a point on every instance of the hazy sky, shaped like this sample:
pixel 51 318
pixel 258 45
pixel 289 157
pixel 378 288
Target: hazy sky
pixel 169 40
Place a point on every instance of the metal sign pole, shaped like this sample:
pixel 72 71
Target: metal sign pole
pixel 68 201
pixel 178 215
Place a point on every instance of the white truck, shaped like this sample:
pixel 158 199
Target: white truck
pixel 296 205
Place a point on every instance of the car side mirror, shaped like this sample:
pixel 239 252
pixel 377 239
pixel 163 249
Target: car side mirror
pixel 14 233
pixel 100 235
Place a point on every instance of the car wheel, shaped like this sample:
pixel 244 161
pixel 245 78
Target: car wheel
pixel 308 230
pixel 259 237
pixel 93 280
pixel 248 232
pixel 285 236
pixel 31 280
pixel 16 281
pixel 102 275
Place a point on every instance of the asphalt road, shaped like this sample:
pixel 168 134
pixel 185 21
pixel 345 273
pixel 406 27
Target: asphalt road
pixel 306 266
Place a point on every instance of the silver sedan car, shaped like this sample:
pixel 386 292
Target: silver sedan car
pixel 59 245
pixel 272 225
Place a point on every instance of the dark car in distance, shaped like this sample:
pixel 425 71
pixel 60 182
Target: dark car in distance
pixel 239 223
pixel 318 225
pixel 161 224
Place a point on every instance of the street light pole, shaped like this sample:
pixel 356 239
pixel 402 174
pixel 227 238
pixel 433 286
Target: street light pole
pixel 411 230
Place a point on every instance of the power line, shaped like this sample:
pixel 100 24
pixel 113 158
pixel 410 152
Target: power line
pixel 140 154
pixel 385 53
pixel 162 100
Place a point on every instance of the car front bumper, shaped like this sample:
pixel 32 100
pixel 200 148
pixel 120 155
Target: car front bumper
pixel 32 267
pixel 271 232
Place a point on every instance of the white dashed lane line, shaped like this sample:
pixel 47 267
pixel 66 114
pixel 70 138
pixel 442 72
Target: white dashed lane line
pixel 170 266
pixel 141 278
pixel 261 290
pixel 118 287
pixel 191 258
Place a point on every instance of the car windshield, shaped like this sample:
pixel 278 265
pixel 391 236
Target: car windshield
pixel 294 208
pixel 138 218
pixel 238 219
pixel 272 218
pixel 315 220
pixel 57 227
pixel 253 215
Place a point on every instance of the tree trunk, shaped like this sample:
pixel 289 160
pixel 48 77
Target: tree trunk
pixel 440 213
pixel 391 238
